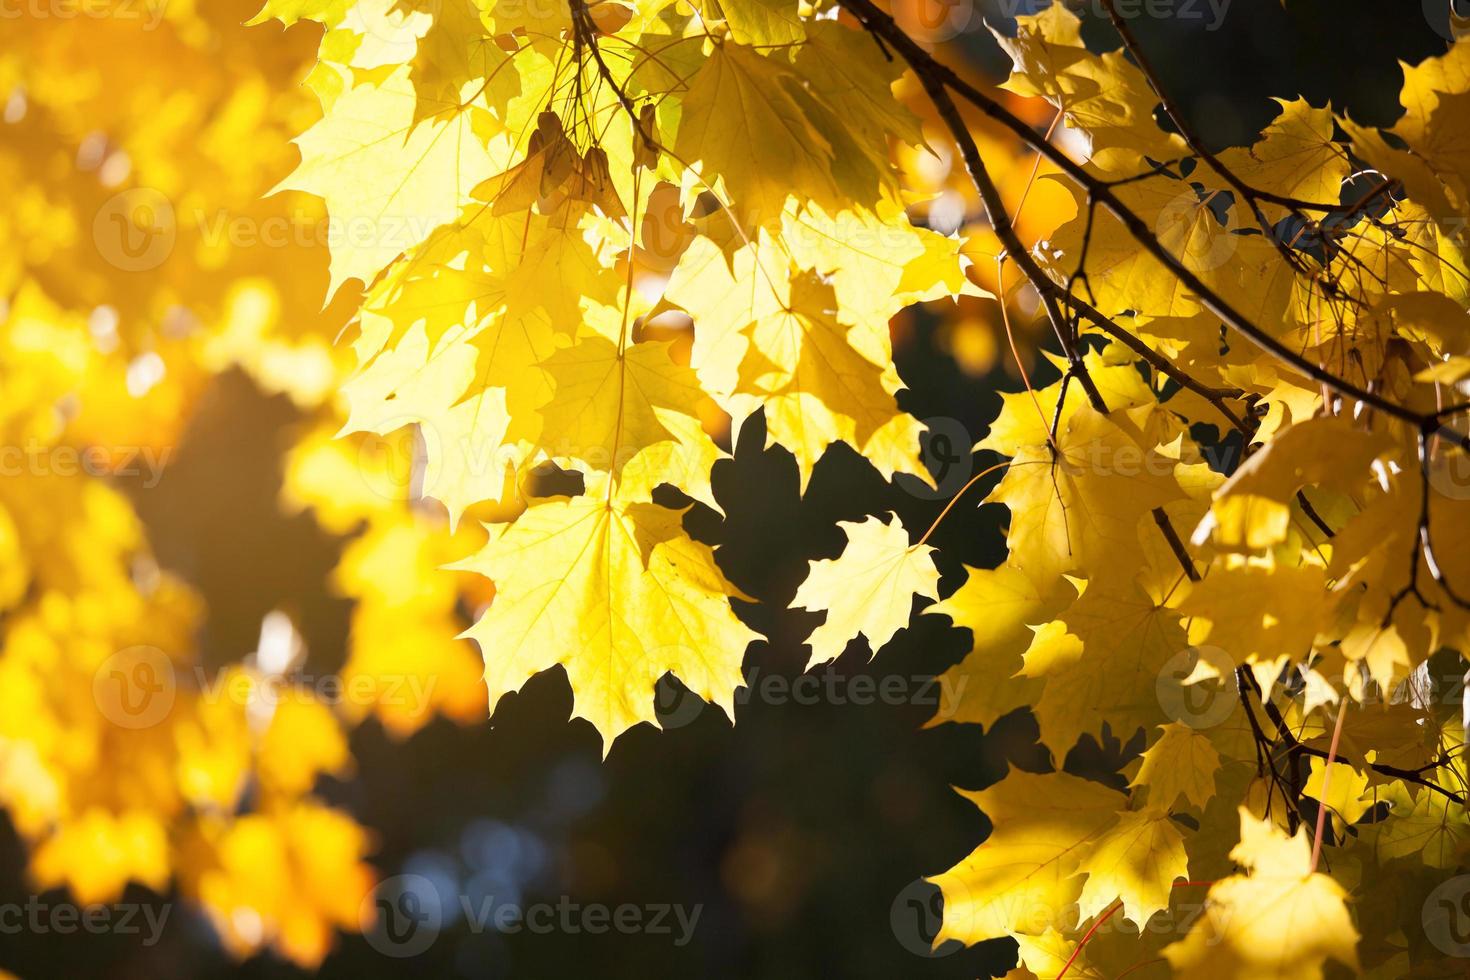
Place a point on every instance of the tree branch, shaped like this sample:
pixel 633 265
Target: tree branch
pixel 1294 745
pixel 938 78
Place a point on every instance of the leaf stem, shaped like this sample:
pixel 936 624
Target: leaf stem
pixel 955 499
pixel 1087 936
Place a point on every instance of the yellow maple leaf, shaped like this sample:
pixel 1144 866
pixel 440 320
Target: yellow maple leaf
pixel 618 595
pixel 1295 156
pixel 388 181
pixel 1136 862
pixel 996 606
pixel 1080 511
pixel 869 589
pixel 743 121
pixel 1280 920
pixel 1098 662
pixel 1182 763
pixel 1027 875
pixel 1104 96
pixel 99 853
pixel 612 403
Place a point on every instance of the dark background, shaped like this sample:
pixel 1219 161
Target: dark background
pixel 802 830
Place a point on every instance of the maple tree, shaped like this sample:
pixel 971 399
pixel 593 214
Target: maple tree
pixel 1305 296
pixel 572 245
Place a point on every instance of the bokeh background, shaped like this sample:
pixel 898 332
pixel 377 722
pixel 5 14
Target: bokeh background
pixel 802 831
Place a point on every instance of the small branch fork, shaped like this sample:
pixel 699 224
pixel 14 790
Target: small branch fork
pixel 942 85
pixel 939 80
pixel 1294 746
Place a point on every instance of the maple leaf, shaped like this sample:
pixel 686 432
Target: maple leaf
pixel 387 180
pixel 760 22
pixel 1296 153
pixel 1281 919
pixel 743 121
pixel 1424 827
pixel 780 344
pixel 98 854
pixel 329 13
pixel 1024 877
pixel 457 61
pixel 612 405
pixel 1181 764
pixel 1106 649
pixel 1237 609
pixel 300 869
pixel 869 589
pixel 1135 862
pixel 996 606
pixel 1123 277
pixel 1104 96
pixel 618 595
pixel 1080 511
pixel 1340 788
